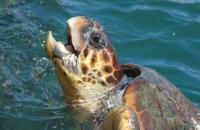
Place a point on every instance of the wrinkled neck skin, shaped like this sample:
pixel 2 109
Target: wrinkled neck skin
pixel 90 102
pixel 88 99
pixel 93 109
pixel 89 90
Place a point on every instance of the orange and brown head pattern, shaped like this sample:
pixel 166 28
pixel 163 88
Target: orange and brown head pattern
pixel 87 63
pixel 97 60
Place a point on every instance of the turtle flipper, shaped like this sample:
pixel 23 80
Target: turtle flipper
pixel 121 118
pixel 157 103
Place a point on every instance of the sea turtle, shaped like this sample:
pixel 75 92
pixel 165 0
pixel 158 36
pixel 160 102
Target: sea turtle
pixel 109 96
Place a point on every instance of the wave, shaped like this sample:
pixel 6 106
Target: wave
pixel 185 1
pixel 176 66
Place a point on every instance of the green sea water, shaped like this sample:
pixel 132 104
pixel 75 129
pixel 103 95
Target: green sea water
pixel 161 34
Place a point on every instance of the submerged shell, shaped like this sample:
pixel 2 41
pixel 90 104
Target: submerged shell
pixel 158 104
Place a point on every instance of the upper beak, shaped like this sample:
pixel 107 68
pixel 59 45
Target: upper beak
pixel 54 48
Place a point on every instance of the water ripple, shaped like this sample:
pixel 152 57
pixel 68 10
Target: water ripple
pixel 185 1
pixel 162 35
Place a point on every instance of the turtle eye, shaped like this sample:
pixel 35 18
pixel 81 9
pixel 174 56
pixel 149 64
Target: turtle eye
pixel 97 40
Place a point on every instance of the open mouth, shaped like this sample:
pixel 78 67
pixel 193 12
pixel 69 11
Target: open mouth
pixel 69 44
pixel 66 53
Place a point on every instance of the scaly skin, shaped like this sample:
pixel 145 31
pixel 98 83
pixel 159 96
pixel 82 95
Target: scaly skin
pixel 109 96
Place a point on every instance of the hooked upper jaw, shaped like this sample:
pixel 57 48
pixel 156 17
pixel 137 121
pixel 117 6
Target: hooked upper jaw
pixel 75 41
pixel 63 56
pixel 66 55
pixel 55 49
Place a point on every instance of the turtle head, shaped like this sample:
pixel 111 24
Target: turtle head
pixel 86 66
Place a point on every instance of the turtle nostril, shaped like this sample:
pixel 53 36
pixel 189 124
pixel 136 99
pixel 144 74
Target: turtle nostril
pixel 97 40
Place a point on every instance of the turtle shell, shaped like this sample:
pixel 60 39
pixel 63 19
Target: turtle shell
pixel 158 104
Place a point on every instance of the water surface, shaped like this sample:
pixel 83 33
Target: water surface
pixel 164 35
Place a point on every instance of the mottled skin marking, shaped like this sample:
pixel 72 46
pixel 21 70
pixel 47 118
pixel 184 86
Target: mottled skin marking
pixel 84 79
pixel 84 69
pixel 93 82
pixel 93 60
pixel 89 79
pixel 99 74
pixel 114 60
pixel 85 52
pixel 79 82
pixel 94 70
pixel 103 83
pixel 107 69
pixel 104 56
pixel 109 79
pixel 96 67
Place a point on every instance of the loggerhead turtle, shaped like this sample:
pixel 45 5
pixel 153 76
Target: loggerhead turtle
pixel 109 96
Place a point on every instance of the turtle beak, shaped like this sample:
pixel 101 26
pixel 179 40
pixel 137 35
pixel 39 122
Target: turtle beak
pixel 75 43
pixel 53 48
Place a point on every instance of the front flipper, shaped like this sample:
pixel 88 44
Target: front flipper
pixel 121 118
pixel 156 102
